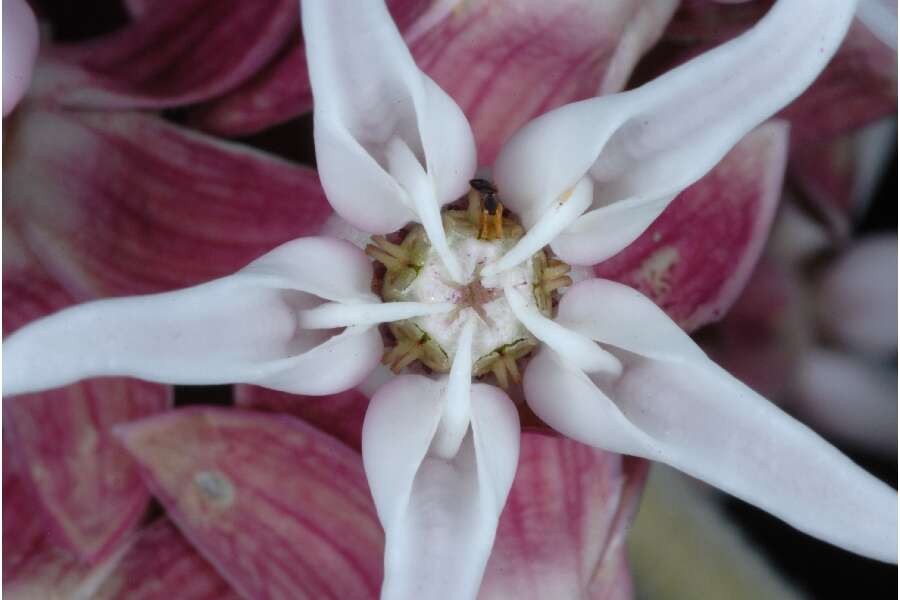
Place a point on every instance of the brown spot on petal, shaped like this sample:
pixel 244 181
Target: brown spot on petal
pixel 214 487
pixel 654 274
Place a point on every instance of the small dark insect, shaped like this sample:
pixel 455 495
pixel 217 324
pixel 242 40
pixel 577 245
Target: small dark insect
pixel 491 209
pixel 488 194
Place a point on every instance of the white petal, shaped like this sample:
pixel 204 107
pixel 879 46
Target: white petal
pixel 457 407
pixel 369 91
pixel 880 16
pixel 336 314
pixel 577 349
pixel 439 515
pixel 646 145
pixel 557 217
pixel 848 398
pixel 673 405
pixel 858 296
pixel 242 328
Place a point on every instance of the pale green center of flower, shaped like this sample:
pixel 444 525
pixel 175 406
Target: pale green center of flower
pixel 415 272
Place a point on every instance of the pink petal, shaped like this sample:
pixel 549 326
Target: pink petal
pixel 279 509
pixel 857 87
pixel 87 488
pixel 23 526
pixel 696 257
pixel 52 573
pixel 125 203
pixel 563 527
pixel 159 564
pixel 277 93
pixel 189 51
pixel 838 175
pixel 281 90
pixel 507 62
pixel 20 46
pixel 340 415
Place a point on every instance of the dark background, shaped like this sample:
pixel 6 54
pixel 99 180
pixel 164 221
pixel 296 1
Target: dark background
pixel 816 568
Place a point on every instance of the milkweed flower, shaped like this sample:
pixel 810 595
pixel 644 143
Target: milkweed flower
pixel 488 287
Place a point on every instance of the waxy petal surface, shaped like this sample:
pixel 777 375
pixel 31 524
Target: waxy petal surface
pixel 177 53
pixel 280 509
pixel 673 405
pixel 644 146
pixel 121 204
pixel 439 514
pixel 339 415
pixel 695 259
pixel 160 564
pixel 507 62
pixel 563 527
pixel 371 103
pixel 241 328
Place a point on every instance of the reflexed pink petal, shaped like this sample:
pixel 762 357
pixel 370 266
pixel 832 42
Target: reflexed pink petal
pixel 186 52
pixel 672 404
pixel 276 94
pixel 614 580
pixel 280 509
pixel 52 574
pixel 20 46
pixel 24 527
pixel 159 564
pixel 507 62
pixel 340 415
pixel 858 296
pixel 643 147
pixel 439 510
pixel 124 203
pixel 838 175
pixel 243 328
pixel 563 527
pixel 695 259
pixel 848 399
pixel 858 86
pixel 281 90
pixel 88 488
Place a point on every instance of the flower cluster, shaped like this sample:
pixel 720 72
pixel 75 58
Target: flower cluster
pixel 461 300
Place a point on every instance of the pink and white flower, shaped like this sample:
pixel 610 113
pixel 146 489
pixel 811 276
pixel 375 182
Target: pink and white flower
pixel 614 371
